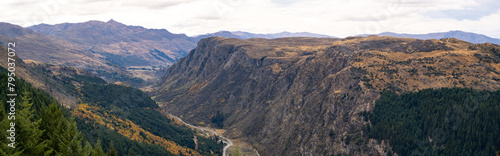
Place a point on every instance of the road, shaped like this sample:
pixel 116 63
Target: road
pixel 227 141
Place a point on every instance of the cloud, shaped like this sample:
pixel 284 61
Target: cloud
pixel 474 11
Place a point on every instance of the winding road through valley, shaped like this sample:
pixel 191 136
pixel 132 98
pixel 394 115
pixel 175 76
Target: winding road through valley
pixel 227 141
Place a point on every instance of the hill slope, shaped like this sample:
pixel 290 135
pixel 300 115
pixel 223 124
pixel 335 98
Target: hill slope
pixel 302 96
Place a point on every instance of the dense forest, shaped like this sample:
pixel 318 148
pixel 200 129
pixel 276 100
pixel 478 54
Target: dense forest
pixel 444 121
pixel 42 127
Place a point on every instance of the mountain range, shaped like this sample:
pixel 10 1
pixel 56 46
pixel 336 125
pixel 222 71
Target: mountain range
pixel 123 45
pixel 284 93
pixel 111 48
pixel 246 35
pixel 466 36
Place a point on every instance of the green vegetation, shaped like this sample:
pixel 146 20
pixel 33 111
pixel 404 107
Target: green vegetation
pixel 41 125
pixel 124 61
pixel 122 145
pixel 115 76
pixel 111 95
pixel 438 122
pixel 159 55
pixel 158 124
pixel 133 104
pixel 218 119
pixel 88 79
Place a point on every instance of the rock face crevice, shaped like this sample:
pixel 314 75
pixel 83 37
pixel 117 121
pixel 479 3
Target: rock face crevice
pixel 302 96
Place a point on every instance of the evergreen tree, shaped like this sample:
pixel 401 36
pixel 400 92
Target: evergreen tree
pixel 28 133
pixel 2 111
pixel 131 152
pixel 112 150
pixel 53 122
pixel 70 140
pixel 5 124
pixel 87 149
pixel 97 151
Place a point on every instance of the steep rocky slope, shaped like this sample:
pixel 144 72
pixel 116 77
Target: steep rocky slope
pixel 302 96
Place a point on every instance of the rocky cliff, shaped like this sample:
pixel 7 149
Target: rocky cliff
pixel 303 96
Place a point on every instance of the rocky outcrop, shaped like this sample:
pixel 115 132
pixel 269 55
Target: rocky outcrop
pixel 302 96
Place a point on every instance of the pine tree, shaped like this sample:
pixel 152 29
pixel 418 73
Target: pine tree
pixel 87 149
pixel 53 122
pixel 70 140
pixel 131 152
pixel 27 129
pixel 112 151
pixel 2 111
pixel 97 151
pixel 5 124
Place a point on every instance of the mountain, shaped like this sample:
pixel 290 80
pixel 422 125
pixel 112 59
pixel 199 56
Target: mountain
pixel 110 49
pixel 39 47
pixel 11 30
pixel 44 48
pixel 466 36
pixel 306 96
pixel 102 115
pixel 121 44
pixel 246 35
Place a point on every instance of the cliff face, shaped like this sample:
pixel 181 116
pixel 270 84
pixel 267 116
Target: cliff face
pixel 302 96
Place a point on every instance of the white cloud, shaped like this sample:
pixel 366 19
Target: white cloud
pixel 336 18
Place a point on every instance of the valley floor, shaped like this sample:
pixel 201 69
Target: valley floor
pixel 239 147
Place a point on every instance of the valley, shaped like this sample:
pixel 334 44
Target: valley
pixel 139 91
pixel 105 117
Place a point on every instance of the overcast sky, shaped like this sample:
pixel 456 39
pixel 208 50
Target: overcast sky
pixel 330 17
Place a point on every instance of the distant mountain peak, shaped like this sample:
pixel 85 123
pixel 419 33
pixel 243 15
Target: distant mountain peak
pixel 246 35
pixel 458 34
pixel 90 22
pixel 12 30
pixel 113 22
